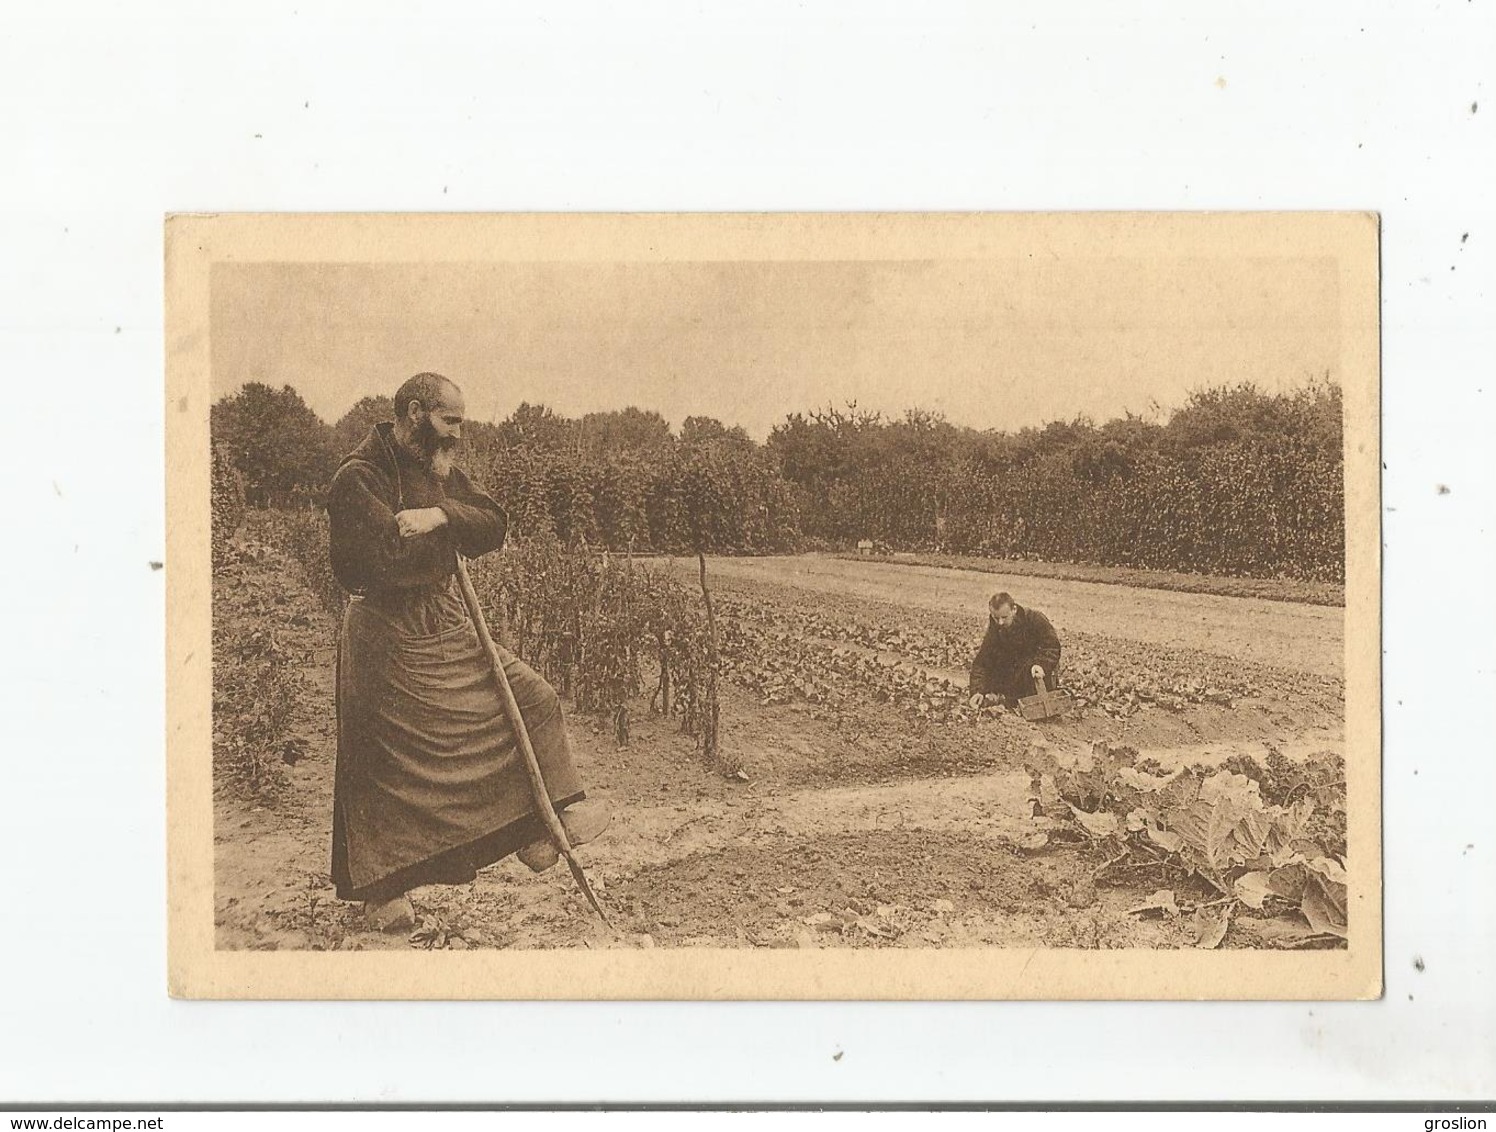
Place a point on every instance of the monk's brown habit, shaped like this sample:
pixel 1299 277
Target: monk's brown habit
pixel 430 783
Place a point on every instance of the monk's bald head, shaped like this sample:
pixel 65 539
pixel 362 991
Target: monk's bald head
pixel 428 419
pixel 431 391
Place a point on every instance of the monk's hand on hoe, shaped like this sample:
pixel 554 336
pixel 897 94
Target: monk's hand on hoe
pixel 419 521
pixel 1037 672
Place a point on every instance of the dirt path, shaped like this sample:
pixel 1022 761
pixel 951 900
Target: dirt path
pixel 1302 638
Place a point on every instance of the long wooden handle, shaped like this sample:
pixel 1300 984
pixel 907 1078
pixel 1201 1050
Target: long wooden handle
pixel 543 804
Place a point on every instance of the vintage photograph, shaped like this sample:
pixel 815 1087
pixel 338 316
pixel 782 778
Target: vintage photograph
pixel 850 606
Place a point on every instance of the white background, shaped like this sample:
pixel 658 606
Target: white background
pixel 112 115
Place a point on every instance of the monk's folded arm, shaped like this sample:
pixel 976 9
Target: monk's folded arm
pixel 366 548
pixel 475 522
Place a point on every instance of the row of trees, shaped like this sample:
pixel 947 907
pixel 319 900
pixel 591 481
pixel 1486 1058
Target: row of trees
pixel 1235 482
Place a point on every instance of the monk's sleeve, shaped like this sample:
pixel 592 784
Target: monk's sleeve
pixel 984 667
pixel 1046 644
pixel 476 522
pixel 366 548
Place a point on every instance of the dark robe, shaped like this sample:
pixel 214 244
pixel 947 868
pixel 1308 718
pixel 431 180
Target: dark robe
pixel 430 783
pixel 1003 663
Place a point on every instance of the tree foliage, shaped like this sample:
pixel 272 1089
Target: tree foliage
pixel 283 450
pixel 624 431
pixel 1236 482
pixel 356 423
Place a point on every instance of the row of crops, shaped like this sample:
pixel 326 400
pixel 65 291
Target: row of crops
pixel 603 629
pixel 827 654
pixel 616 635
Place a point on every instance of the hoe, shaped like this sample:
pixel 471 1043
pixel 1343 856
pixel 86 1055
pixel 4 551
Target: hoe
pixel 543 807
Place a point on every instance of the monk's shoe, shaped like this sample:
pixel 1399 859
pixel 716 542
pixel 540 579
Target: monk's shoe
pixel 395 915
pixel 583 822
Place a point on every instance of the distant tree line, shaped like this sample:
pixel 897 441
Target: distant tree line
pixel 1237 481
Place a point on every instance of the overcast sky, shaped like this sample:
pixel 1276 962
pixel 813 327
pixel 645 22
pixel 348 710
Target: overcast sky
pixel 991 344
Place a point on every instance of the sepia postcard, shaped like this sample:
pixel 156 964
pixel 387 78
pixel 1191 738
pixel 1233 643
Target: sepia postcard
pixel 774 606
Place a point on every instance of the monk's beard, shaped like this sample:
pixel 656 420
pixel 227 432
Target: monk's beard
pixel 437 454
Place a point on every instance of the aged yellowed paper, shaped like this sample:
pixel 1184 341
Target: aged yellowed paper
pixel 1156 433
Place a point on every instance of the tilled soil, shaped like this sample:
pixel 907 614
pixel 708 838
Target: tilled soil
pixel 853 829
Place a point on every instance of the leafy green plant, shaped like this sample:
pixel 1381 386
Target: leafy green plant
pixel 302 534
pixel 598 625
pixel 256 681
pixel 227 504
pixel 1213 825
pixel 434 933
pixel 593 622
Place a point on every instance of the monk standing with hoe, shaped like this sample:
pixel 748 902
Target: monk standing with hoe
pixel 431 781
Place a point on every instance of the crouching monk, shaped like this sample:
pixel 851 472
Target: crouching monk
pixel 1020 647
pixel 430 784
